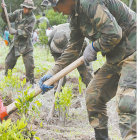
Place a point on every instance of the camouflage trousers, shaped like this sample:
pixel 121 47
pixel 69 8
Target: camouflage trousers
pixel 108 81
pixel 84 71
pixel 28 60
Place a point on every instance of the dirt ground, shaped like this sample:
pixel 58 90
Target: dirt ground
pixel 77 126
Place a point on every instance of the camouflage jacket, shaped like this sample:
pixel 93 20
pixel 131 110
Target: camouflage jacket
pixel 61 27
pixel 24 25
pixel 108 23
pixel 61 47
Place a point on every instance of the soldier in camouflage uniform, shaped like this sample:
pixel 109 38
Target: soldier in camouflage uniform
pixel 22 45
pixel 111 26
pixel 57 41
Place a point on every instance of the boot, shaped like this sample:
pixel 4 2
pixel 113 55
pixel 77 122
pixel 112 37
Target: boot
pixel 101 134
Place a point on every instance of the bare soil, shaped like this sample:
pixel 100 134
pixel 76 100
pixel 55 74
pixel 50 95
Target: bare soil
pixel 77 125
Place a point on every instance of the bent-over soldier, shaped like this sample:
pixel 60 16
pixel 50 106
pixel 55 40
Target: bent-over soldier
pixel 111 26
pixel 58 41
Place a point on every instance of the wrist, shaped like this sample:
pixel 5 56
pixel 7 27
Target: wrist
pixel 94 48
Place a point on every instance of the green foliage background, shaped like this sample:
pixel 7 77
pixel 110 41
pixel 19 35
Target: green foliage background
pixel 42 33
pixel 55 18
pixel 134 4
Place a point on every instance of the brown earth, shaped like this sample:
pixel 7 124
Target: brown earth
pixel 77 126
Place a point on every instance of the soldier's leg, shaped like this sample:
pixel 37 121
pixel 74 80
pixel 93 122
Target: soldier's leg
pixel 127 99
pixel 100 90
pixel 29 66
pixel 10 60
pixel 85 73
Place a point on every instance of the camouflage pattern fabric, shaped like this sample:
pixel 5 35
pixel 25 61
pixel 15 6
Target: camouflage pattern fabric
pixel 24 24
pixel 28 60
pixel 22 44
pixel 58 44
pixel 127 98
pixel 111 25
pixel 100 90
pixel 103 87
pixel 28 4
pixel 100 21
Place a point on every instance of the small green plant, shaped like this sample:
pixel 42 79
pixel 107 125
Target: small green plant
pixel 23 101
pixel 10 81
pixel 63 99
pixel 41 69
pixel 63 102
pixel 15 130
pixel 10 86
pixel 55 18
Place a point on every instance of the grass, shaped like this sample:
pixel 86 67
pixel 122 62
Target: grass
pixel 42 59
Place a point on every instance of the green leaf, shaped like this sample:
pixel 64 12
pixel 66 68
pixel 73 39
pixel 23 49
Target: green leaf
pixel 41 124
pixel 37 138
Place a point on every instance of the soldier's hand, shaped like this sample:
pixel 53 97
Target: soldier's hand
pixel 44 87
pixel 12 31
pixel 89 54
pixel 3 5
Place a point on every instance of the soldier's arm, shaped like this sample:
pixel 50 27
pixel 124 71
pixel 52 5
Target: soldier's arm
pixel 50 37
pixel 72 52
pixel 107 26
pixel 12 16
pixel 25 30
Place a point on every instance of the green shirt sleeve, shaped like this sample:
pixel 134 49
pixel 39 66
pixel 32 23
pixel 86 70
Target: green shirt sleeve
pixel 73 50
pixel 26 29
pixel 12 16
pixel 104 22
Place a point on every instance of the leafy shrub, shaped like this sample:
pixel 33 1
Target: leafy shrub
pixel 27 108
pixel 63 99
pixel 24 100
pixel 26 105
pixel 11 81
pixel 55 18
pixel 15 131
pixel 43 39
